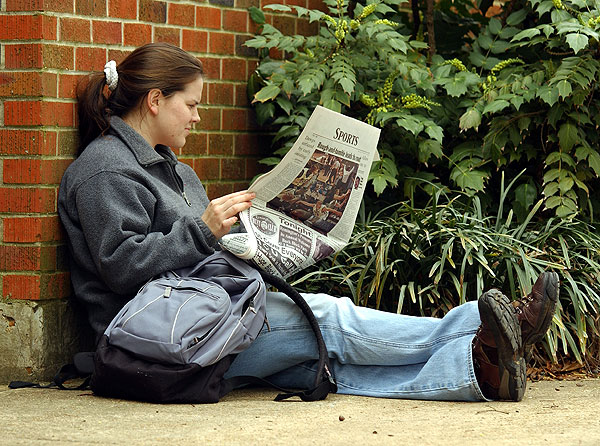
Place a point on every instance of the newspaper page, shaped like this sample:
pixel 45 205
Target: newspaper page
pixel 305 208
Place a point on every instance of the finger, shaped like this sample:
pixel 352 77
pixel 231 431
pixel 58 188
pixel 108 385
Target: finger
pixel 234 195
pixel 235 209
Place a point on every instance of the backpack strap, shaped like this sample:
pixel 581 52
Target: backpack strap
pixel 82 367
pixel 324 381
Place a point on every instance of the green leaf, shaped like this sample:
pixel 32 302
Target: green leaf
pixel 564 88
pixel 379 183
pixel 256 15
pixel 496 106
pixel 499 46
pixel 566 185
pixel 470 119
pixel 494 25
pixel 548 94
pixel 285 104
pixel 568 136
pixel 550 189
pixel 577 41
pixel 429 147
pixel 468 179
pixel 594 162
pixel 516 17
pixel 267 93
pixel 435 132
pixel 526 34
pixel 280 8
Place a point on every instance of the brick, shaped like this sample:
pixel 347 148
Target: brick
pixel 32 229
pixel 222 2
pixel 95 8
pixel 220 144
pixel 68 142
pixel 305 28
pixel 254 168
pixel 34 171
pixel 233 169
pixel 241 49
pixel 245 4
pixel 136 34
pixel 235 119
pixel 246 144
pixel 19 286
pixel 301 3
pixel 212 67
pixel 317 4
pixel 235 20
pixel 234 69
pixel 39 113
pixel 67 85
pixel 180 14
pixel 27 27
pixel 221 43
pixel 23 56
pixel 27 258
pixel 241 96
pixel 285 24
pixel 107 32
pixel 28 200
pixel 195 41
pixel 27 142
pixel 168 35
pixel 39 5
pixel 57 56
pixel 28 83
pixel 215 190
pixel 123 9
pixel 220 94
pixel 207 17
pixel 195 144
pixel 117 55
pixel 152 11
pixel 211 119
pixel 207 168
pixel 90 59
pixel 75 30
pixel 55 286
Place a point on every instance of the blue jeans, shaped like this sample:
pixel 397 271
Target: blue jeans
pixel 373 353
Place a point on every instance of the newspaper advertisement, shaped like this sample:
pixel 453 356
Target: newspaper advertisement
pixel 305 208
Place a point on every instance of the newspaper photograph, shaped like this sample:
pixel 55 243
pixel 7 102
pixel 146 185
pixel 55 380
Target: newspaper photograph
pixel 306 207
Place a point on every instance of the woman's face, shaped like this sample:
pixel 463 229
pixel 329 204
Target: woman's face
pixel 177 115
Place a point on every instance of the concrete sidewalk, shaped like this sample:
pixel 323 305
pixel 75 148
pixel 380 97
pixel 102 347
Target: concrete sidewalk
pixel 552 412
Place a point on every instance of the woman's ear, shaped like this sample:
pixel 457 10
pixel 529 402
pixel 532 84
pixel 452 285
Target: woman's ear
pixel 153 99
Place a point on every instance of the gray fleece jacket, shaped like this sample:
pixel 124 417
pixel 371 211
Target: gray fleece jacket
pixel 130 212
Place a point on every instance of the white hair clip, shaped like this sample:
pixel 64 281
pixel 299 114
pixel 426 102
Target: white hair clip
pixel 110 72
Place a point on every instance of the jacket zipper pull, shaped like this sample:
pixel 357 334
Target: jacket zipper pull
pixel 186 198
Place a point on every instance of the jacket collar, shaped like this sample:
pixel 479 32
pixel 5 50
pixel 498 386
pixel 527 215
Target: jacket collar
pixel 143 152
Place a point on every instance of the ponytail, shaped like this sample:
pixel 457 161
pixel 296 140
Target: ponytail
pixel 156 65
pixel 92 109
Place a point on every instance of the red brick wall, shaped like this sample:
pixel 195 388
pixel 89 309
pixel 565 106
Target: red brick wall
pixel 46 47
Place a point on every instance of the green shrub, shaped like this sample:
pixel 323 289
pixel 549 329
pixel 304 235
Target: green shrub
pixel 427 260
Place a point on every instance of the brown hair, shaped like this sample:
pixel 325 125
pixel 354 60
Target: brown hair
pixel 155 65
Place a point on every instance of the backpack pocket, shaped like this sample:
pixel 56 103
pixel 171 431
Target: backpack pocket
pixel 171 319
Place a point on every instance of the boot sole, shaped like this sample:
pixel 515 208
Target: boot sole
pixel 551 291
pixel 496 312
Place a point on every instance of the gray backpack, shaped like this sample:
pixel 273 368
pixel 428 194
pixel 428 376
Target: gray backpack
pixel 174 341
pixel 194 315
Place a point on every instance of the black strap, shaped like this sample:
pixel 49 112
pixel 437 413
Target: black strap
pixel 79 369
pixel 316 393
pixel 324 381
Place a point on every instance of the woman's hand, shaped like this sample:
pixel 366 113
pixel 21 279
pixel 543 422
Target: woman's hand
pixel 221 213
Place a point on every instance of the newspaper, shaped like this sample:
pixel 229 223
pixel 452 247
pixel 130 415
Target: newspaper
pixel 305 208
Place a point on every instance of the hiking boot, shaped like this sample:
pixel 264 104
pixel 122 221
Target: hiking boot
pixel 497 349
pixel 535 311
